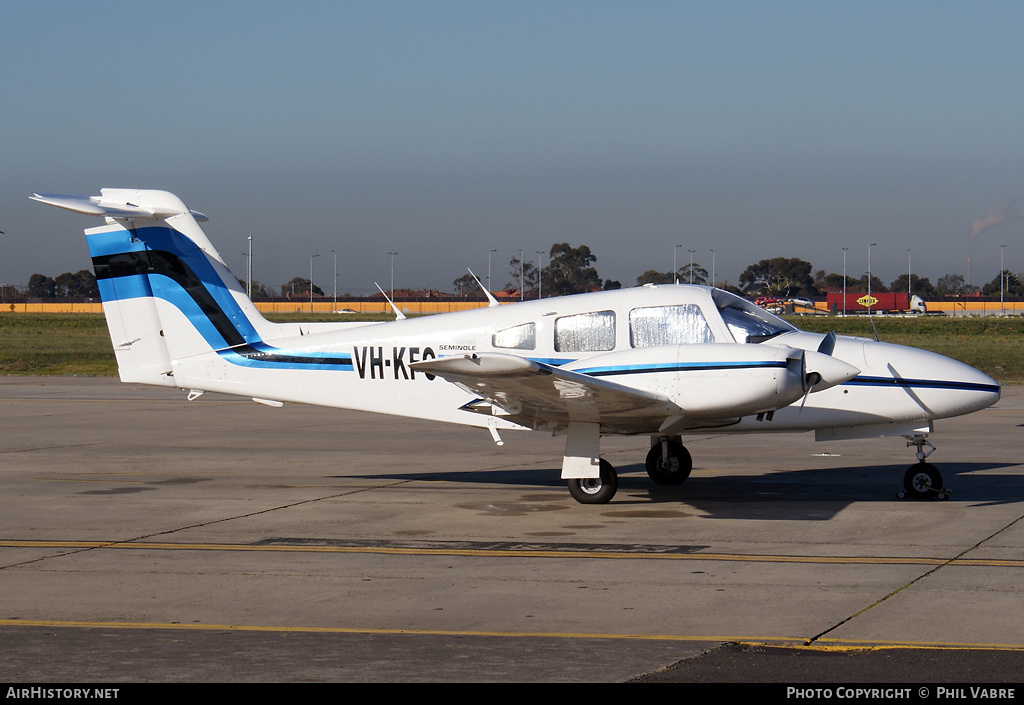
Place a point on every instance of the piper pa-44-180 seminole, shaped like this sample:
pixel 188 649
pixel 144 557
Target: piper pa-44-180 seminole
pixel 658 361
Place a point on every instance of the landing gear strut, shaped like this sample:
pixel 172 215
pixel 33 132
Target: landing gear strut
pixel 668 463
pixel 922 480
pixel 596 490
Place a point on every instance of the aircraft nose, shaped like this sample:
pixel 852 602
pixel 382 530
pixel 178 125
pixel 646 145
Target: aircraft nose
pixel 943 386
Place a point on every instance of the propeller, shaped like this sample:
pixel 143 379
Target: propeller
pixel 821 370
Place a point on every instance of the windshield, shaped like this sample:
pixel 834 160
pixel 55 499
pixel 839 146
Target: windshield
pixel 747 322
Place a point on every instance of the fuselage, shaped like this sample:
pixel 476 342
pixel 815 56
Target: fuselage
pixel 368 367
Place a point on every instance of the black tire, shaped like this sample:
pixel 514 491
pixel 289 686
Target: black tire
pixel 922 481
pixel 596 490
pixel 678 468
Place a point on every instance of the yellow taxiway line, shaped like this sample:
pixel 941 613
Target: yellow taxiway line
pixel 513 553
pixel 787 642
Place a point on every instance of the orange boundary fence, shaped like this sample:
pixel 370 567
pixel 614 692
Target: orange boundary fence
pixel 270 306
pixel 956 308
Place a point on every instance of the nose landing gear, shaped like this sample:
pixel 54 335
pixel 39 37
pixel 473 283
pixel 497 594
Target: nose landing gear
pixel 922 480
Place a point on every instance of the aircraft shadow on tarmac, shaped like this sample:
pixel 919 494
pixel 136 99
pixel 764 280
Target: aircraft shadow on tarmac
pixel 803 495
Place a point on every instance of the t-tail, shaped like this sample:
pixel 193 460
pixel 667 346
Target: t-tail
pixel 166 291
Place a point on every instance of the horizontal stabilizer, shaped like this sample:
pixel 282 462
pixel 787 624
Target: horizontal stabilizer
pixel 119 203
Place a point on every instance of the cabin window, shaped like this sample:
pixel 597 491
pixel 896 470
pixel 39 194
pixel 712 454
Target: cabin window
pixel 668 325
pixel 522 337
pixel 585 332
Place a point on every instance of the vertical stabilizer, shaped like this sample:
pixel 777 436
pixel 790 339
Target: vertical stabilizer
pixel 166 291
pixel 130 309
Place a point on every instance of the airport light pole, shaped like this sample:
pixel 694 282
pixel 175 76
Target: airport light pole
pixel 311 282
pixel 522 276
pixel 869 275
pixel 691 265
pixel 844 280
pixel 248 276
pixel 1002 275
pixel 392 254
pixel 910 289
pixel 335 253
pixel 540 274
pixel 675 269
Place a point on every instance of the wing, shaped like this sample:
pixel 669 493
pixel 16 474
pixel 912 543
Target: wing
pixel 537 395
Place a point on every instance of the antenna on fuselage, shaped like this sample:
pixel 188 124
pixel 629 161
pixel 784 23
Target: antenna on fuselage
pixel 491 301
pixel 828 343
pixel 399 316
pixel 874 330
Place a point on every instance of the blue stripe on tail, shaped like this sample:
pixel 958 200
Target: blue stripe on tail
pixel 160 262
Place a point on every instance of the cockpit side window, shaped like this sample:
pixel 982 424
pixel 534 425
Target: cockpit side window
pixel 522 337
pixel 668 325
pixel 585 332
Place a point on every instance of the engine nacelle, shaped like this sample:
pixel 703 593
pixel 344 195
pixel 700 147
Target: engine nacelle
pixel 717 380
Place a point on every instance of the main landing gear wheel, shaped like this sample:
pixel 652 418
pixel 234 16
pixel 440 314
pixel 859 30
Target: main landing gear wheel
pixel 923 481
pixel 673 469
pixel 596 490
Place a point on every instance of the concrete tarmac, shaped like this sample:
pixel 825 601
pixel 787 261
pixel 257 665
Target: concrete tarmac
pixel 145 538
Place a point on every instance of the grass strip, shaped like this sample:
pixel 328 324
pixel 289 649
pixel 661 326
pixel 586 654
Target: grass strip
pixel 78 344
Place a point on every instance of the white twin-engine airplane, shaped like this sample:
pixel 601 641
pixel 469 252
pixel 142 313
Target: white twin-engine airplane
pixel 658 361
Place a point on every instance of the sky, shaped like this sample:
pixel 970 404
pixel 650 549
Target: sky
pixel 442 130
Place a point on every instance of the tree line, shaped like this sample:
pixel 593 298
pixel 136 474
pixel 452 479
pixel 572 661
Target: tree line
pixel 792 276
pixel 80 285
pixel 571 270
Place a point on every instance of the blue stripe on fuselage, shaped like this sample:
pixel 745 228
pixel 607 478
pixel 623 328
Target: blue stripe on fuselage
pixel 676 367
pixel 863 381
pixel 263 356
